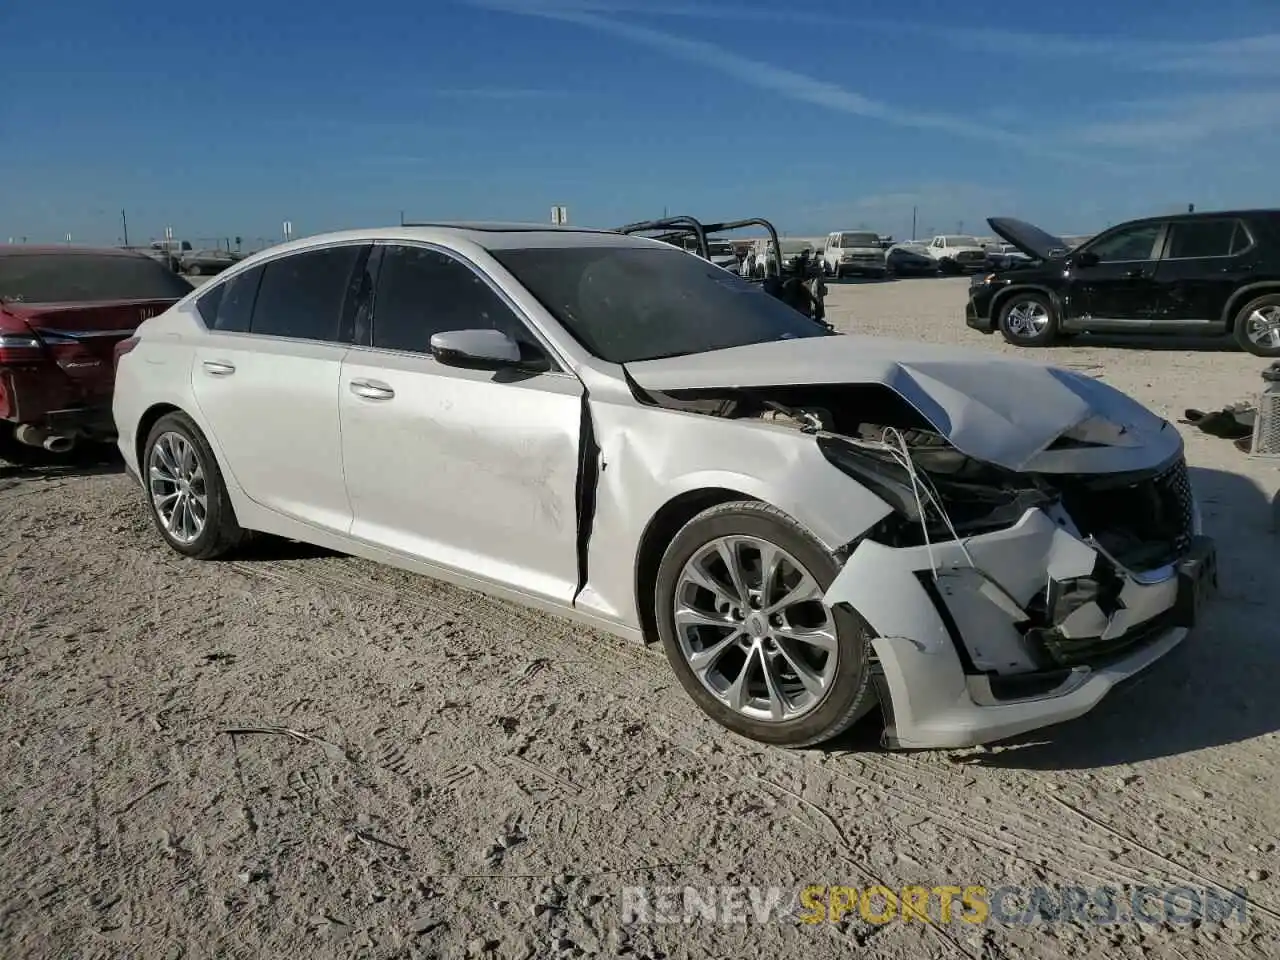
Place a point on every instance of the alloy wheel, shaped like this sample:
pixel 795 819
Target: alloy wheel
pixel 177 484
pixel 752 627
pixel 1027 319
pixel 1263 327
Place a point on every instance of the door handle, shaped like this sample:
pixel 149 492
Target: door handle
pixel 1241 268
pixel 372 390
pixel 1137 273
pixel 219 368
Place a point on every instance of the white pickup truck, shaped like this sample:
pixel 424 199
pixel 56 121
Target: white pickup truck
pixel 956 253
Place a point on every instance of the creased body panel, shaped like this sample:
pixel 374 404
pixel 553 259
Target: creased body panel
pixel 650 456
pixel 1003 411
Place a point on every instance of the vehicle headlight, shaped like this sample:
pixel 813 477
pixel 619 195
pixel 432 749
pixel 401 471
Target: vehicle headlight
pixel 879 473
pixel 977 497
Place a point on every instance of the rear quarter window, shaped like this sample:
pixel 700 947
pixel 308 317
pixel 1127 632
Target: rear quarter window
pixel 228 306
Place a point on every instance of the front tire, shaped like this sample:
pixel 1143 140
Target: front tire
pixel 186 496
pixel 1028 320
pixel 1257 326
pixel 738 604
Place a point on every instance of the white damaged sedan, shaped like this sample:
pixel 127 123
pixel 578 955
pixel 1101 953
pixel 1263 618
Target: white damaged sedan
pixel 811 524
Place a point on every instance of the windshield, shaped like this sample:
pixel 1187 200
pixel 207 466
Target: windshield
pixel 859 240
pixel 626 304
pixel 792 247
pixel 86 278
pixel 961 241
pixel 720 248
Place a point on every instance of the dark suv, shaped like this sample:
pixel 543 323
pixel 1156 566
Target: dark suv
pixel 1190 274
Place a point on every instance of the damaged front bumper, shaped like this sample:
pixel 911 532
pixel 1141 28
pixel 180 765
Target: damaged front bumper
pixel 1017 629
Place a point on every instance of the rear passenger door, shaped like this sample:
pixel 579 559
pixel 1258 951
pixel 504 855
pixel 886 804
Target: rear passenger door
pixel 266 378
pixel 1205 261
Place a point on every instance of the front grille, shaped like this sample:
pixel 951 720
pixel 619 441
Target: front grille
pixel 970 255
pixel 1174 486
pixel 1145 519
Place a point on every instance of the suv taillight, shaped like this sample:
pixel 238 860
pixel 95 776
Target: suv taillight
pixel 120 349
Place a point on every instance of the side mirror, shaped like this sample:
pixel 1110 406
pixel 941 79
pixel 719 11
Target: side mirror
pixel 1087 259
pixel 482 349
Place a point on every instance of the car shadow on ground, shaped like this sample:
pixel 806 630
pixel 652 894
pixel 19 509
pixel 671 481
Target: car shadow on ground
pixel 82 462
pixel 1206 344
pixel 1217 688
pixel 266 549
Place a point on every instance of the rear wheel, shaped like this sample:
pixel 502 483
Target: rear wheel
pixel 1257 326
pixel 185 493
pixel 739 609
pixel 1028 320
pixel 194 270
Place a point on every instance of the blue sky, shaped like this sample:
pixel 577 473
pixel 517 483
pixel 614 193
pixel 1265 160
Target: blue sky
pixel 223 119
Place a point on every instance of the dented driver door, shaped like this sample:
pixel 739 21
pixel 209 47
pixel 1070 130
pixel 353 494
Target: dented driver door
pixel 475 470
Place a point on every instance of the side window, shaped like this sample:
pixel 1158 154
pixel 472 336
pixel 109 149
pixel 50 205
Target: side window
pixel 302 294
pixel 228 306
pixel 1132 243
pixel 422 292
pixel 1201 238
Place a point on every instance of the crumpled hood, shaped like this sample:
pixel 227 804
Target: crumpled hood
pixel 1004 411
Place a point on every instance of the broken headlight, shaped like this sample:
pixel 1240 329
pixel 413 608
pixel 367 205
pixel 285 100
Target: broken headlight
pixel 976 497
pixel 879 472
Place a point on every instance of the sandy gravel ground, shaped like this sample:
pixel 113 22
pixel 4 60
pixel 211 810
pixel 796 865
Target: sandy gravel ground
pixel 472 779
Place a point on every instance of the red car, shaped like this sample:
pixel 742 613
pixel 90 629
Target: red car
pixel 62 312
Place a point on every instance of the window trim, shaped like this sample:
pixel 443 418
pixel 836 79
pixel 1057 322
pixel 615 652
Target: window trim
pixel 1158 245
pixel 1171 228
pixel 558 366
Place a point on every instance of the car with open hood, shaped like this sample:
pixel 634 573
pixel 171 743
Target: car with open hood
pixel 1199 274
pixel 809 524
pixel 62 311
pixel 910 258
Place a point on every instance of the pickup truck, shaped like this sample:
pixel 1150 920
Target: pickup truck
pixel 958 254
pixel 168 252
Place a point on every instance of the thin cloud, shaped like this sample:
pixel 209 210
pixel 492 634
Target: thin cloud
pixel 784 82
pixel 1172 124
pixel 1256 55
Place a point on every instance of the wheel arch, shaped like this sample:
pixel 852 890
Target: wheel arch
pixel 1242 296
pixel 150 417
pixel 1001 298
pixel 658 532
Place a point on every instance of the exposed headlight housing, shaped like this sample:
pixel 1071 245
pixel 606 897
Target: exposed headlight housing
pixel 977 497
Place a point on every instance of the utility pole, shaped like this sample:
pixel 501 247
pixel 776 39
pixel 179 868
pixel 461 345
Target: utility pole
pixel 913 223
pixel 124 222
pixel 402 218
pixel 959 226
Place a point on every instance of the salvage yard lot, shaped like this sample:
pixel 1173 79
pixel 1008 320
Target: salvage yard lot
pixel 421 771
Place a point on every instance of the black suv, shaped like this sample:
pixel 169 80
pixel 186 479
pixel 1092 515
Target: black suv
pixel 1190 274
